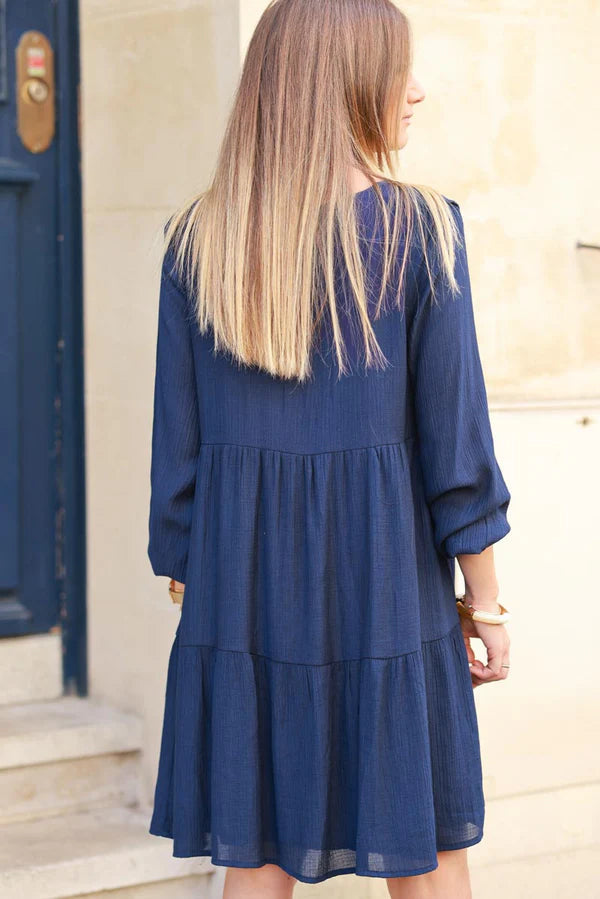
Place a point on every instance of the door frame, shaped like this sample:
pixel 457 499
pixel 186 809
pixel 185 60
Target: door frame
pixel 70 474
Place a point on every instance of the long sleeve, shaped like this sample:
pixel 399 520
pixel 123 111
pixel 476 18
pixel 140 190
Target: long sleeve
pixel 175 433
pixel 464 487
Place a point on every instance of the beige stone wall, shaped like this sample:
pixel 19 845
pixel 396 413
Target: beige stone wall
pixel 509 129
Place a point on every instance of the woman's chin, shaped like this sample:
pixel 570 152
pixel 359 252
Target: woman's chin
pixel 401 142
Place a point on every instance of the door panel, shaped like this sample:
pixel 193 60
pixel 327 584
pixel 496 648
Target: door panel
pixel 40 300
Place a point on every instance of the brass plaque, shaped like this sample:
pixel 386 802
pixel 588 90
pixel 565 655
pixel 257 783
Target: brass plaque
pixel 35 91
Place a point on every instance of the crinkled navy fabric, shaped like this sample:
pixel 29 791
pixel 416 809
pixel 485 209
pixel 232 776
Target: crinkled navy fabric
pixel 319 712
pixel 368 765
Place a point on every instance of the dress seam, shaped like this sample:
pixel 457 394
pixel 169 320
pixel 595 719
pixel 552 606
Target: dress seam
pixel 270 449
pixel 260 655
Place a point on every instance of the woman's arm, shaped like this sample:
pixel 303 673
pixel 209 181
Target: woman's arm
pixel 481 591
pixel 481 583
pixel 175 433
pixel 464 487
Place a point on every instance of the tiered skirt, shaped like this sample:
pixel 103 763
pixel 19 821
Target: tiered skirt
pixel 319 712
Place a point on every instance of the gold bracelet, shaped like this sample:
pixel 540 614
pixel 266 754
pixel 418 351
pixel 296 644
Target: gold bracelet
pixel 468 611
pixel 176 595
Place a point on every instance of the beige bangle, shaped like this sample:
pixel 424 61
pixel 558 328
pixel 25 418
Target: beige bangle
pixel 467 611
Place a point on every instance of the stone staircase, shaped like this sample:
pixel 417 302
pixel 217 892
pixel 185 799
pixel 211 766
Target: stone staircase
pixel 70 820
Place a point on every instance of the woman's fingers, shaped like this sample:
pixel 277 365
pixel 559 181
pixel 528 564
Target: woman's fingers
pixel 496 641
pixel 469 648
pixel 496 658
pixel 476 682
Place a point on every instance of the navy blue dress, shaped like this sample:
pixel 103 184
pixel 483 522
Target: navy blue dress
pixel 319 712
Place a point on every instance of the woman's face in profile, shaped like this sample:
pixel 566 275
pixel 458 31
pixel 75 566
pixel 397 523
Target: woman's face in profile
pixel 414 94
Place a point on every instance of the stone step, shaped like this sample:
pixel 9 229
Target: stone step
pixel 87 853
pixel 67 754
pixel 539 823
pixel 556 875
pixel 31 668
pixel 196 886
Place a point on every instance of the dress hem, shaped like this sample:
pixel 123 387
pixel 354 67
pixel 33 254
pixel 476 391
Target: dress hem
pixel 204 853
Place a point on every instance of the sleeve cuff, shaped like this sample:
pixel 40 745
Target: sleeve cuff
pixel 476 537
pixel 162 567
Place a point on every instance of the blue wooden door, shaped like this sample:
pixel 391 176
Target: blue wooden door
pixel 41 371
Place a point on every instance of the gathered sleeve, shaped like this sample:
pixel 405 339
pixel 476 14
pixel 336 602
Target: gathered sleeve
pixel 175 432
pixel 464 487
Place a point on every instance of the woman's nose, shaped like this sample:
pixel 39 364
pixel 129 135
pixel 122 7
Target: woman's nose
pixel 416 94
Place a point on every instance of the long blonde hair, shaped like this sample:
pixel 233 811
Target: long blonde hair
pixel 321 89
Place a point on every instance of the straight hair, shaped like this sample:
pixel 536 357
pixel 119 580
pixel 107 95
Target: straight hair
pixel 321 89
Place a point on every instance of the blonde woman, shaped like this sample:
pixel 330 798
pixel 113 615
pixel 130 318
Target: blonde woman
pixel 321 456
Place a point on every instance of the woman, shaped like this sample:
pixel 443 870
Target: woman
pixel 321 454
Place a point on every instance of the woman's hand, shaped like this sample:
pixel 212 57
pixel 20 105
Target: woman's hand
pixel 497 643
pixel 177 585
